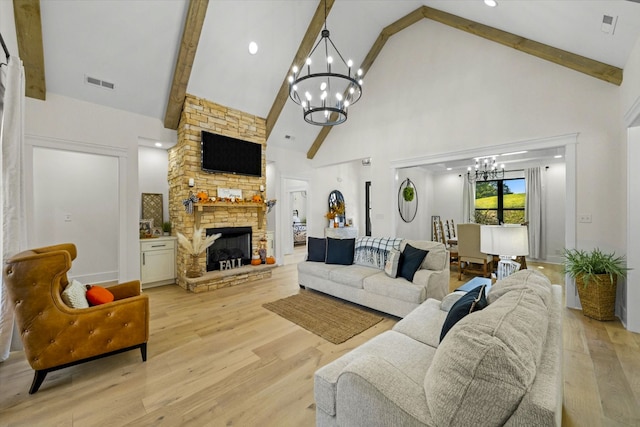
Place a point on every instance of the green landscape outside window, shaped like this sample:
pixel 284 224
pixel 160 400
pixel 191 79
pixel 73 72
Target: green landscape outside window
pixel 500 202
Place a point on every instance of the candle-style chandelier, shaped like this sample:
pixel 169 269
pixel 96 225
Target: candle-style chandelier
pixel 325 96
pixel 485 169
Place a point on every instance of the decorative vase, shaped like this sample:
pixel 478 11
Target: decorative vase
pixel 193 270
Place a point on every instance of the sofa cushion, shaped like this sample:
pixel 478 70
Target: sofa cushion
pixel 474 300
pixel 316 249
pixel 424 324
pixel 317 269
pixel 75 295
pixel 392 264
pixel 353 275
pixel 437 256
pixel 410 261
pixel 340 251
pixel 399 288
pixel 373 251
pixel 490 357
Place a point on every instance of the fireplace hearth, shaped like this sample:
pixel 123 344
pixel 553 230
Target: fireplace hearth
pixel 231 250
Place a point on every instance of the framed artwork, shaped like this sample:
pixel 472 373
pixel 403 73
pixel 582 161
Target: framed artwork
pixel 146 227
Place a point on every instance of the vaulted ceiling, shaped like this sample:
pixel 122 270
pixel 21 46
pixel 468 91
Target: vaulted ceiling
pixel 152 52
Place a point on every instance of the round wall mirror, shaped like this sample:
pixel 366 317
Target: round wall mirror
pixel 407 200
pixel 336 204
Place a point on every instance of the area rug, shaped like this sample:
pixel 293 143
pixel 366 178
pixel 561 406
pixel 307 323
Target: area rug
pixel 328 317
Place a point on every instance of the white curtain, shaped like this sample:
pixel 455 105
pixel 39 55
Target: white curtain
pixel 13 236
pixel 534 213
pixel 468 201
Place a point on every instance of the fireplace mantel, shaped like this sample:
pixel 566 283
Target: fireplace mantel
pixel 199 208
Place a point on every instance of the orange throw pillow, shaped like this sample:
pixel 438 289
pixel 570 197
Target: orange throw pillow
pixel 97 295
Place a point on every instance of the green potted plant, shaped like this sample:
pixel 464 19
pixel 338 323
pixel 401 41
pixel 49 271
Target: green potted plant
pixel 596 274
pixel 166 228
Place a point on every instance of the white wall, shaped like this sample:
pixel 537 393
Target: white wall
pixel 75 199
pixel 450 98
pixel 153 164
pixel 630 104
pixel 90 128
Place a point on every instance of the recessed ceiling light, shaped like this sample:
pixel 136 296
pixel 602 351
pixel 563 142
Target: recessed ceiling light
pixel 158 144
pixel 449 169
pixel 491 3
pixel 557 156
pixel 253 48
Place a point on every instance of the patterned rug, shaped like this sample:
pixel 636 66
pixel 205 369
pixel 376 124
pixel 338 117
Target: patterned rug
pixel 330 318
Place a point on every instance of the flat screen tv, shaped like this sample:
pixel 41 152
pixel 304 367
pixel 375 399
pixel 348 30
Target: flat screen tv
pixel 230 155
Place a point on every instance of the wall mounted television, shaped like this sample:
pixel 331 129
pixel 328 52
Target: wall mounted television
pixel 224 154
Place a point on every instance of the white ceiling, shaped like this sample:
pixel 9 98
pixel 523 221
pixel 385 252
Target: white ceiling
pixel 134 45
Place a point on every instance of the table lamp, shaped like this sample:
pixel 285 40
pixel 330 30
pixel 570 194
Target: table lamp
pixel 507 241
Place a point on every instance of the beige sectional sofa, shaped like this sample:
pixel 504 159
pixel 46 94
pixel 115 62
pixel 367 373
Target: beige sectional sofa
pixel 371 287
pixel 498 366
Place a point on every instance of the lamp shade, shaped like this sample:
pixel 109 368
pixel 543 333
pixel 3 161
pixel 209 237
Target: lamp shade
pixel 504 240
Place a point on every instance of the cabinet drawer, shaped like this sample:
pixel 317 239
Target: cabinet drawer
pixel 156 246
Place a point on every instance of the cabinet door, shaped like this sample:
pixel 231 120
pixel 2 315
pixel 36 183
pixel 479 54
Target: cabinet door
pixel 158 265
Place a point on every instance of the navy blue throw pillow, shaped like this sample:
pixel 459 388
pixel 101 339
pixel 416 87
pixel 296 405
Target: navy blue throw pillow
pixel 410 261
pixel 474 300
pixel 340 251
pixel 316 249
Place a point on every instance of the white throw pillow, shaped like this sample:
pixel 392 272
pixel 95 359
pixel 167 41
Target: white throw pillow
pixel 391 265
pixel 75 295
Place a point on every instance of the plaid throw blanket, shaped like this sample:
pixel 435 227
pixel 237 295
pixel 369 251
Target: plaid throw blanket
pixel 373 251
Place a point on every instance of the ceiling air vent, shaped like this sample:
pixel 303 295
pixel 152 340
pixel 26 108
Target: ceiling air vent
pixel 97 82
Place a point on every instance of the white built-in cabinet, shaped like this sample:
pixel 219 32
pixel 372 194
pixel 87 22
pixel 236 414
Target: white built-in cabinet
pixel 158 261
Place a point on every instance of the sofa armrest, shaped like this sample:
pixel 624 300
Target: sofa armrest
pixel 436 283
pixel 371 391
pixel 125 290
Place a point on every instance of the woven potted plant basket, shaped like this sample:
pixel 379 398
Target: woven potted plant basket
pixel 596 275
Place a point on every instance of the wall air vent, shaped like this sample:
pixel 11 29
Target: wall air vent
pixel 100 83
pixel 609 24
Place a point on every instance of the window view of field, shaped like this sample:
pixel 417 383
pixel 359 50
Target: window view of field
pixel 495 205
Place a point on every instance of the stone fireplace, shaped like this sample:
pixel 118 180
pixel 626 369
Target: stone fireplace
pixel 185 164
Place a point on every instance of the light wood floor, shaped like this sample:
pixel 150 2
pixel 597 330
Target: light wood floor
pixel 220 359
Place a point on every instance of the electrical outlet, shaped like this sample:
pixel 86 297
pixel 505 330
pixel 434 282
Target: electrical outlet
pixel 584 218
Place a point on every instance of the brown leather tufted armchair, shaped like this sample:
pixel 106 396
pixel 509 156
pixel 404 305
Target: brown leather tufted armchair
pixel 56 336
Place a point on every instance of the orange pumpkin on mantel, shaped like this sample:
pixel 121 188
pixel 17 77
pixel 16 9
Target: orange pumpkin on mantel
pixel 202 196
pixel 256 261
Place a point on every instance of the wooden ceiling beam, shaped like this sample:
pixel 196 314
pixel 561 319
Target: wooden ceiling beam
pixel 570 60
pixel 26 14
pixel 182 72
pixel 305 47
pixel 585 65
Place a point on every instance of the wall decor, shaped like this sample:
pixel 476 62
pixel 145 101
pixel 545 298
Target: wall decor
pixel 152 208
pixel 407 200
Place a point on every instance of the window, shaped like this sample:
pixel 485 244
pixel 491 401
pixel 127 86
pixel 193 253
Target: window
pixel 500 201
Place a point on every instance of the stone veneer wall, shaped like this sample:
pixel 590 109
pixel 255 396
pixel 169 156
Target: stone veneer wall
pixel 185 162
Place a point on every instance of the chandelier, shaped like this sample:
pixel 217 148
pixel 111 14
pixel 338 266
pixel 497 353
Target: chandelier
pixel 485 169
pixel 325 95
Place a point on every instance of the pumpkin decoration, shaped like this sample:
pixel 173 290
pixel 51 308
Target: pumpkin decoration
pixel 202 196
pixel 271 260
pixel 257 198
pixel 256 261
